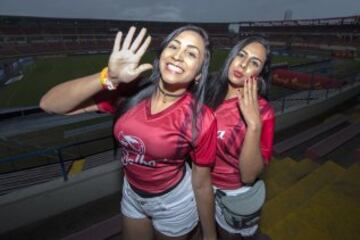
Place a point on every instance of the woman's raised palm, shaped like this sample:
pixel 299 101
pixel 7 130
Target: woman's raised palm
pixel 124 60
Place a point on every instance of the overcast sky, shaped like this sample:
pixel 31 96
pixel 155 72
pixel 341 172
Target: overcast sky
pixel 182 10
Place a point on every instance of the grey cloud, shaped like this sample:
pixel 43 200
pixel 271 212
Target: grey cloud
pixel 181 10
pixel 158 12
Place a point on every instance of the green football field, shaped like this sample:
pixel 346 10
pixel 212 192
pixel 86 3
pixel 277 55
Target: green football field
pixel 49 71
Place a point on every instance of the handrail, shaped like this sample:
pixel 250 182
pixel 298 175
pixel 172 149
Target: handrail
pixel 47 150
pixel 55 151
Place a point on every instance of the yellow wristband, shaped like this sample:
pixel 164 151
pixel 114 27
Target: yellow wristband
pixel 104 81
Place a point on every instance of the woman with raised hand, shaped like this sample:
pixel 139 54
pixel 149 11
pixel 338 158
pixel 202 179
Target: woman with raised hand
pixel 245 133
pixel 156 128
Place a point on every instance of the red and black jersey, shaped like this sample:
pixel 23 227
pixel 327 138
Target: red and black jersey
pixel 231 133
pixel 154 146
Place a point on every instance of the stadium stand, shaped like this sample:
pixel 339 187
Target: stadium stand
pixel 30 36
pixel 337 37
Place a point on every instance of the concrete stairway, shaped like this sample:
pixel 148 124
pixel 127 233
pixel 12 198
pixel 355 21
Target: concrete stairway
pixel 306 200
pixel 285 176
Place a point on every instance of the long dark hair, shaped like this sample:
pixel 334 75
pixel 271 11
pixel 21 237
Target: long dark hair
pixel 149 86
pixel 218 83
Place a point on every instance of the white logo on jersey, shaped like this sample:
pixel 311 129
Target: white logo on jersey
pixel 135 146
pixel 221 134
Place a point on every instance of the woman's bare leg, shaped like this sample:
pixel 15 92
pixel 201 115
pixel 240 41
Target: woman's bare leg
pixel 135 229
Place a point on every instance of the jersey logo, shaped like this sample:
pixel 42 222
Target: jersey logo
pixel 221 135
pixel 133 150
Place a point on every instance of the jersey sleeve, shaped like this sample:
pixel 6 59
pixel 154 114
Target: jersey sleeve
pixel 106 100
pixel 204 152
pixel 267 135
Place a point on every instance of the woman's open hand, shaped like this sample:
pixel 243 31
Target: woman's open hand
pixel 124 60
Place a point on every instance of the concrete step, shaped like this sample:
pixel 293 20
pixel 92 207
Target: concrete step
pixel 310 133
pixel 356 155
pixel 296 195
pixel 101 230
pixel 355 117
pixel 298 171
pixel 283 181
pixel 296 229
pixel 277 167
pixel 332 142
pixel 332 213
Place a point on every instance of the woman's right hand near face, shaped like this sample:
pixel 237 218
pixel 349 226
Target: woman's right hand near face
pixel 124 60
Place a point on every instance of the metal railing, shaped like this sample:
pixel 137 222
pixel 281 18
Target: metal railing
pixel 56 152
pixel 310 95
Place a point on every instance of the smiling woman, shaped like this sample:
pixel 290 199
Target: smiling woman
pixel 182 60
pixel 159 122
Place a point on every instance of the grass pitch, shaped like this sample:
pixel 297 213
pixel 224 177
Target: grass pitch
pixel 47 72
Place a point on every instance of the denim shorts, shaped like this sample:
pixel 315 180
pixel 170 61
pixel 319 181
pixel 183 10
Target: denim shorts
pixel 173 214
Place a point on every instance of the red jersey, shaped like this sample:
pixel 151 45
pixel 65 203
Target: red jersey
pixel 154 146
pixel 231 133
